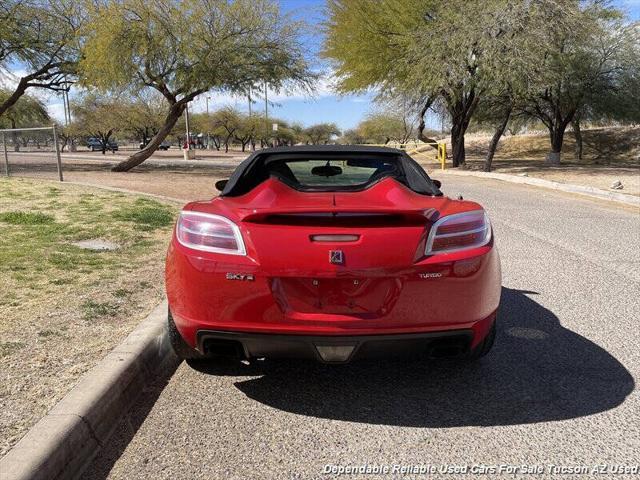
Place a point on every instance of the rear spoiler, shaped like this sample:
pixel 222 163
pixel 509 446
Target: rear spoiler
pixel 342 217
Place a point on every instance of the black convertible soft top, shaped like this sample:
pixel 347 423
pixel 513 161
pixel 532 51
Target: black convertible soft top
pixel 255 169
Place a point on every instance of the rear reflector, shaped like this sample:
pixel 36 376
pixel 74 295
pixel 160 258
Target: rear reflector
pixel 335 353
pixel 334 238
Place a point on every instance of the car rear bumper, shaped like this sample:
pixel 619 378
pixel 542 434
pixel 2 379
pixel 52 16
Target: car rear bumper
pixel 336 349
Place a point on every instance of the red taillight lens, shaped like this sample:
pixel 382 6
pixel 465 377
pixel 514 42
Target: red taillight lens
pixel 459 232
pixel 209 233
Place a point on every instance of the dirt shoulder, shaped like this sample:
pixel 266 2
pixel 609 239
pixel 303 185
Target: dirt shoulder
pixel 63 307
pixel 177 179
pixel 610 155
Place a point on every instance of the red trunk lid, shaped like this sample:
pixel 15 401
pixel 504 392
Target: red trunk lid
pixel 363 277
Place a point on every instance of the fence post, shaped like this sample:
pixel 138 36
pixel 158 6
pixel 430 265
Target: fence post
pixel 6 156
pixel 55 142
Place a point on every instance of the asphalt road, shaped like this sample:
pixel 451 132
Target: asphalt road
pixel 559 388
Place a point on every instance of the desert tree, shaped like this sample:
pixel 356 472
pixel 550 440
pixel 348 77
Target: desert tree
pixel 69 135
pixel 586 63
pixel 248 128
pixel 185 48
pixel 423 50
pixel 352 136
pixel 37 39
pixel 142 115
pixel 321 133
pixel 99 117
pixel 227 121
pixel 448 53
pixel 386 126
pixel 27 111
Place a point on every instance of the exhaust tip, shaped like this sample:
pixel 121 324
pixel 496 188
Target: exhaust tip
pixel 224 348
pixel 447 350
pixel 335 353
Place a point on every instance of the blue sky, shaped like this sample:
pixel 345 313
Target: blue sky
pixel 346 111
pixel 325 106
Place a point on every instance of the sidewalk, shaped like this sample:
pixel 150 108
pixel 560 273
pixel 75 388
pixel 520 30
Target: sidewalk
pixel 586 190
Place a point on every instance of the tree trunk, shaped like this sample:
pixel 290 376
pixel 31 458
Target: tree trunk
pixel 577 133
pixel 175 112
pixel 461 111
pixel 496 138
pixel 14 97
pixel 556 135
pixel 457 146
pixel 421 126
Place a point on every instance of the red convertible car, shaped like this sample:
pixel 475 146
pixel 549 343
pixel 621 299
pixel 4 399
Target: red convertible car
pixel 332 253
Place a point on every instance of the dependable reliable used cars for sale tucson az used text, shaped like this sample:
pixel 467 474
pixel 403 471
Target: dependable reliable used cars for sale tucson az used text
pixel 332 253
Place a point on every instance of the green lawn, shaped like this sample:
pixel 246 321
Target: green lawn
pixel 63 307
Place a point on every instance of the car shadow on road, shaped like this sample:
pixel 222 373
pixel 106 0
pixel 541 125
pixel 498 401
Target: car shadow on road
pixel 538 371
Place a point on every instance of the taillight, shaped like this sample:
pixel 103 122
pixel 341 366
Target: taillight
pixel 460 231
pixel 210 233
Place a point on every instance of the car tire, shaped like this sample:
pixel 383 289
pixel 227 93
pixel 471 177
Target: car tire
pixel 182 350
pixel 485 346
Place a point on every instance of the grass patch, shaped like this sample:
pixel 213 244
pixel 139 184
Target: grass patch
pixel 26 218
pixel 146 214
pixel 49 333
pixel 121 293
pixel 37 249
pixel 92 310
pixel 7 348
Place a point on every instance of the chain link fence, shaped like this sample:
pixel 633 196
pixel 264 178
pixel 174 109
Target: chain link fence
pixel 31 152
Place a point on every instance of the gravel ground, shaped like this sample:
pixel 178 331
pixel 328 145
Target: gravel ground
pixel 558 388
pixel 188 180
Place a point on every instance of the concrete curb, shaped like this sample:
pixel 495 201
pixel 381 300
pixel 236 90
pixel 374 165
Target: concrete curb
pixel 64 442
pixel 539 182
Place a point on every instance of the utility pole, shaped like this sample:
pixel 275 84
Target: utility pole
pixel 186 121
pixel 208 143
pixel 249 98
pixel 65 101
pixel 187 152
pixel 266 114
pixel 64 105
pixel 66 95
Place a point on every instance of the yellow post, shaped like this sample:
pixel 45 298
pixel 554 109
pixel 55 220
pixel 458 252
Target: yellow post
pixel 442 154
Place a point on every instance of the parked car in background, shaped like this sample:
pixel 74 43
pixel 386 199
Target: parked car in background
pixel 165 145
pixel 95 145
